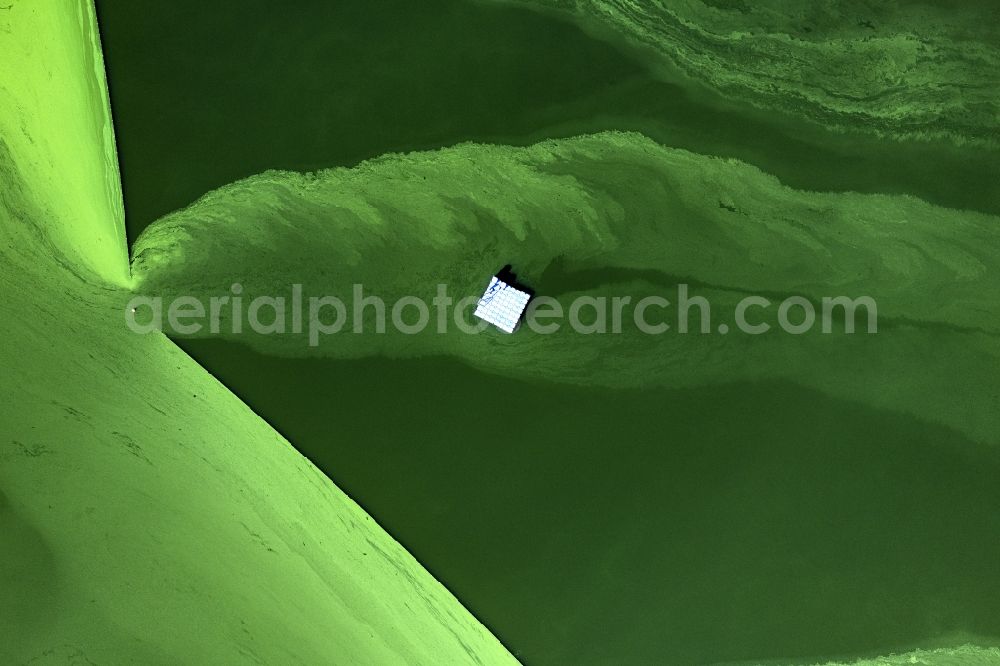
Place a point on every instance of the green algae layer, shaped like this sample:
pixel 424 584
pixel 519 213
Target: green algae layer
pixel 56 131
pixel 146 514
pixel 898 68
pixel 965 655
pixel 612 214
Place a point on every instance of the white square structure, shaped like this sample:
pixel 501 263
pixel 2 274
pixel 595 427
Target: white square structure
pixel 502 305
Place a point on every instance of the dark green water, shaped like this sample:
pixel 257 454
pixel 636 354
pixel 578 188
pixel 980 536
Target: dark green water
pixel 738 522
pixel 652 526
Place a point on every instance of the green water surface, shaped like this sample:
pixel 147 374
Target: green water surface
pixel 740 522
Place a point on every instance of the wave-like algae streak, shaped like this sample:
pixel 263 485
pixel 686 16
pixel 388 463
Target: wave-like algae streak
pixel 146 514
pixel 644 218
pixel 439 73
pixel 899 69
pixel 965 655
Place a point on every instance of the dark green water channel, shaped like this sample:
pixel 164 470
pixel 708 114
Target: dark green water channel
pixel 738 522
